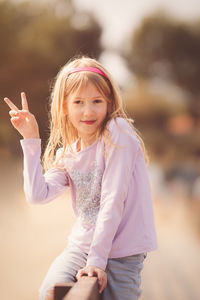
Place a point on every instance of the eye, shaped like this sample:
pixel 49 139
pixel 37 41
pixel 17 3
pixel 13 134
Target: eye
pixel 78 102
pixel 98 101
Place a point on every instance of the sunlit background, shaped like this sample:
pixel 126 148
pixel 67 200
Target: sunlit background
pixel 152 48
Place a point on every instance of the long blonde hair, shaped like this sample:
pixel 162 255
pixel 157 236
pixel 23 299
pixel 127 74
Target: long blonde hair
pixel 62 133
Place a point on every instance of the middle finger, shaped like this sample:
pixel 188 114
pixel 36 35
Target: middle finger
pixel 24 101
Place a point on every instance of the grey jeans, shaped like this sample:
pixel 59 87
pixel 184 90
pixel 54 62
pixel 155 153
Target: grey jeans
pixel 123 274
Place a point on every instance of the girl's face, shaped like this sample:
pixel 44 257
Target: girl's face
pixel 86 110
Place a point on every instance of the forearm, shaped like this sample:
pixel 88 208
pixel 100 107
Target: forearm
pixel 40 188
pixel 107 225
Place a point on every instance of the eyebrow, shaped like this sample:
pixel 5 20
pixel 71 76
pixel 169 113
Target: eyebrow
pixel 98 96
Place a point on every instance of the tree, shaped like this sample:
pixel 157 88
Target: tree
pixel 36 40
pixel 168 49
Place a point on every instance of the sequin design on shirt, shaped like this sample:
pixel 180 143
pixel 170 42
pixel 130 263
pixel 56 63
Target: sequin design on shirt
pixel 88 193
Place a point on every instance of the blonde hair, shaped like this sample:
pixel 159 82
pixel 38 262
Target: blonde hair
pixel 62 133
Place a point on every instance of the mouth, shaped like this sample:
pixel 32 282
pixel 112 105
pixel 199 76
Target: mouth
pixel 89 122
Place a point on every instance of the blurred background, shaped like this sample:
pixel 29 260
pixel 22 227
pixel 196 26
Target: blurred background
pixel 152 48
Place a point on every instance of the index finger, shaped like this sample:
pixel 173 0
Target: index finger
pixel 24 101
pixel 10 104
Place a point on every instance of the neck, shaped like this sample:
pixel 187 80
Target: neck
pixel 84 143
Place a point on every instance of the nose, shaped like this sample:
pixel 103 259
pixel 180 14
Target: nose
pixel 88 109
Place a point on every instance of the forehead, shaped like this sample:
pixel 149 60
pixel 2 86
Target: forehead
pixel 89 90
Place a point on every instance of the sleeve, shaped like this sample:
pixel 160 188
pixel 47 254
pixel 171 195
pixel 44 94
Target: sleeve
pixel 39 187
pixel 118 169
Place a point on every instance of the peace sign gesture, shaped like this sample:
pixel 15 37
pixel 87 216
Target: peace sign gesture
pixel 23 120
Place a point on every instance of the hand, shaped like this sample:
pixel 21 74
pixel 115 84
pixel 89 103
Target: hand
pixel 94 271
pixel 23 120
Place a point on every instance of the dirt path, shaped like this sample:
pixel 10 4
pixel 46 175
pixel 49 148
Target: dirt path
pixel 32 236
pixel 172 272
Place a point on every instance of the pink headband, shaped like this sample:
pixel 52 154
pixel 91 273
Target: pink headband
pixel 91 69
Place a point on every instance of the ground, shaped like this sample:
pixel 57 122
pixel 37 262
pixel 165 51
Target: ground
pixel 32 236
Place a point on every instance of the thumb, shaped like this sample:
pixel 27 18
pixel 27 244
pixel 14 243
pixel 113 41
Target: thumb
pixel 79 274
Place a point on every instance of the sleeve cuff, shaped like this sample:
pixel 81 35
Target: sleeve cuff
pixel 25 142
pixel 30 146
pixel 97 262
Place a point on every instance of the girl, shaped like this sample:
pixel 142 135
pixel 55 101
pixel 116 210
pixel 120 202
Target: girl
pixel 101 158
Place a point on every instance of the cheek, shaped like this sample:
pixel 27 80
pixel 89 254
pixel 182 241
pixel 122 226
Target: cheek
pixel 73 112
pixel 74 117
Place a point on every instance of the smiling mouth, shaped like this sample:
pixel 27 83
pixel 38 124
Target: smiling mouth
pixel 89 122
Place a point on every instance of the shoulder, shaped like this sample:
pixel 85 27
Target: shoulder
pixel 118 122
pixel 59 153
pixel 120 125
pixel 59 158
pixel 120 129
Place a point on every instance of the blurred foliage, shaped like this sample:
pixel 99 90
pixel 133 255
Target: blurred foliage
pixel 169 49
pixel 151 112
pixel 151 107
pixel 36 40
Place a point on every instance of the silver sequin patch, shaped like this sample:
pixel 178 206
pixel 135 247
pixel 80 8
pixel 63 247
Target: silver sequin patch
pixel 88 193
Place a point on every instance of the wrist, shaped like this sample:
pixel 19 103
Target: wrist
pixel 35 136
pixel 30 138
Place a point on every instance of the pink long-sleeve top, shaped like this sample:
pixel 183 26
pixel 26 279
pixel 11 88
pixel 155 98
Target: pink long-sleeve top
pixel 110 194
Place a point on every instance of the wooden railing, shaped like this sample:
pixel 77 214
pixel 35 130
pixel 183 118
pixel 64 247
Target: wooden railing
pixel 84 289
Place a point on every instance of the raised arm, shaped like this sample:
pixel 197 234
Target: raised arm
pixel 22 120
pixel 38 188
